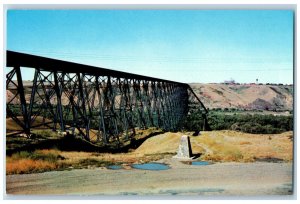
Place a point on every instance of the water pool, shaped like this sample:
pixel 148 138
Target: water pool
pixel 151 166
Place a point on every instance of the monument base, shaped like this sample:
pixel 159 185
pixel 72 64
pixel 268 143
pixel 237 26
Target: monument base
pixel 183 158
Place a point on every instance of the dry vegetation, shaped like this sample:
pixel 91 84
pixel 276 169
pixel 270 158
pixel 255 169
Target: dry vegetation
pixel 30 162
pixel 218 146
pixel 247 96
pixel 28 166
pixel 226 146
pixel 243 147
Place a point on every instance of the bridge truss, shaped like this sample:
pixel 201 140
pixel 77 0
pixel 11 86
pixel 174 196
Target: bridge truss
pixel 99 104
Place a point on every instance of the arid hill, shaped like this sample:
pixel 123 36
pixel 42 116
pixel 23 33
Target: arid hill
pixel 245 96
pixel 239 96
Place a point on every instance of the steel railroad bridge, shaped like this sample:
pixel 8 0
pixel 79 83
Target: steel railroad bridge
pixel 98 104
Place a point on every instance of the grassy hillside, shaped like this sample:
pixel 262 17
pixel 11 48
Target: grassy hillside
pixel 226 146
pixel 238 96
pixel 248 96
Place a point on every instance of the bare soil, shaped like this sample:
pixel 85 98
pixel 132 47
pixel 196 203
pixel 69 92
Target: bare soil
pixel 219 179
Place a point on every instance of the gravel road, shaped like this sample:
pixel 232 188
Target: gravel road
pixel 225 179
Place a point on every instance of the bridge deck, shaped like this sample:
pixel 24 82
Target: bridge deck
pixel 48 64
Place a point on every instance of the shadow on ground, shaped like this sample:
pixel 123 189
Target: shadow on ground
pixel 70 143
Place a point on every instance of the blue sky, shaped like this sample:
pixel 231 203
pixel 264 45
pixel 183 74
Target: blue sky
pixel 182 45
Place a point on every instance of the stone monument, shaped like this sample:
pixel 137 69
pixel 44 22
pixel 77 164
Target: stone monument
pixel 185 149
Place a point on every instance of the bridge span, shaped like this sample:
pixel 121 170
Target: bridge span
pixel 99 104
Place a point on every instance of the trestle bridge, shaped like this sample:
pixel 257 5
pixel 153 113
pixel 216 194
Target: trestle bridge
pixel 99 104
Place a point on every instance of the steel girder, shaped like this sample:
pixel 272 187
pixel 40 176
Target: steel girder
pixel 99 104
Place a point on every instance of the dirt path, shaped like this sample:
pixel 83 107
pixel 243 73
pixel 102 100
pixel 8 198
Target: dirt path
pixel 218 179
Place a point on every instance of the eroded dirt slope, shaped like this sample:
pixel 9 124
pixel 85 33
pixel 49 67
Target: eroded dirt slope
pixel 249 96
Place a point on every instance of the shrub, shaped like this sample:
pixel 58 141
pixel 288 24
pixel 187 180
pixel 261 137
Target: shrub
pixel 257 123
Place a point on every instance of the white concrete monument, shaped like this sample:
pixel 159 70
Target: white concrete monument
pixel 185 149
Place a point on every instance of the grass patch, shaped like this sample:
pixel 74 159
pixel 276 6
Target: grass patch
pixel 232 146
pixel 44 155
pixel 154 157
pixel 25 162
pixel 84 163
pixel 221 149
pixel 223 153
pixel 44 134
pixel 23 166
pixel 33 162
